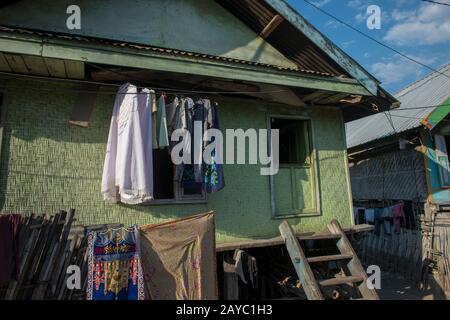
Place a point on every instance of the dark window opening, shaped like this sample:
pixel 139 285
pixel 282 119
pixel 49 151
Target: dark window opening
pixel 295 143
pixel 163 184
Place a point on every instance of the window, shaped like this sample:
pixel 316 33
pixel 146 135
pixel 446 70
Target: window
pixel 442 143
pixel 294 190
pixel 165 189
pixel 295 146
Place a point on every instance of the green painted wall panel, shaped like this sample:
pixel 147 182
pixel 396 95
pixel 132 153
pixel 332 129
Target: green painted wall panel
pixel 193 25
pixel 48 165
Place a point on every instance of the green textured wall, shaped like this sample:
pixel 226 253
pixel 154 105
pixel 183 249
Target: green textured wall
pixel 48 165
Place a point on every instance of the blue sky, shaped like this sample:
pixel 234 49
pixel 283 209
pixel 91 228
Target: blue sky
pixel 416 28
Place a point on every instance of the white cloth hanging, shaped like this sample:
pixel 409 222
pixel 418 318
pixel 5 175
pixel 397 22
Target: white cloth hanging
pixel 128 168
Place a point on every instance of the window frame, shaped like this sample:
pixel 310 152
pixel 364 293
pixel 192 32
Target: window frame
pixel 179 197
pixel 442 153
pixel 313 166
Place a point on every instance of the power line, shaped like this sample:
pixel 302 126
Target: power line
pixel 373 39
pixel 436 2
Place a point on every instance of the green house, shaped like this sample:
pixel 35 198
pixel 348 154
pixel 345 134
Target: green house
pixel 265 65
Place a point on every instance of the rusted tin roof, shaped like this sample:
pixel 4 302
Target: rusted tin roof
pixel 161 50
pixel 285 38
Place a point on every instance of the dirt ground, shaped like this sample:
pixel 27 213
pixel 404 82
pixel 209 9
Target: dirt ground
pixel 395 287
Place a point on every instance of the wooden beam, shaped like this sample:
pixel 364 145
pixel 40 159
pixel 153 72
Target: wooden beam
pixel 74 69
pixel 335 98
pixel 56 67
pixel 143 59
pixel 4 66
pixel 326 45
pixel 16 63
pixel 271 26
pixel 315 96
pixel 276 241
pixel 35 65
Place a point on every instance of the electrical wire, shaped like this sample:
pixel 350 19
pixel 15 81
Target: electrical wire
pixel 436 2
pixel 373 39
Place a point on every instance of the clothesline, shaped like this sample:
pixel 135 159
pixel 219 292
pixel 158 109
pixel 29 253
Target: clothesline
pixel 168 91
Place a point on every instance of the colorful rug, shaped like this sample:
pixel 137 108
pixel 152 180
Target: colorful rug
pixel 114 266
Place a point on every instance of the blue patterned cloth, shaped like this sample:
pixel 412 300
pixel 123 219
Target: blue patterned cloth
pixel 115 271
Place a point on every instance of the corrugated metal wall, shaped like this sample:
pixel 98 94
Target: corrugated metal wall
pixel 394 175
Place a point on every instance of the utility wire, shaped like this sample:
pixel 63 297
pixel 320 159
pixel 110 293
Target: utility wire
pixel 436 2
pixel 373 39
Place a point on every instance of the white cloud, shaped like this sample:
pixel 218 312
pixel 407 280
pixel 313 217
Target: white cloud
pixel 332 24
pixel 321 3
pixel 428 25
pixel 347 44
pixel 397 68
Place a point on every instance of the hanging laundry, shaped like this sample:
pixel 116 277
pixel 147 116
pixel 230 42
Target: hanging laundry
pixel 154 119
pixel 186 119
pixel 199 118
pixel 179 259
pixel 370 215
pixel 399 216
pixel 246 268
pixel 213 178
pixel 114 267
pixel 9 247
pixel 127 172
pixel 161 129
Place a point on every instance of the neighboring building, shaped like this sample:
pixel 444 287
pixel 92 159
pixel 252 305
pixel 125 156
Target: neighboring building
pixel 285 71
pixel 403 154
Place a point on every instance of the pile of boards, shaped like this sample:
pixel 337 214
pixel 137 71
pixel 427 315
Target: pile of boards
pixel 49 244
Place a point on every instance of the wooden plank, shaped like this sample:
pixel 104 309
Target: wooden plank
pixel 271 26
pixel 335 257
pixel 300 262
pixel 56 67
pixel 332 99
pixel 16 63
pixel 4 66
pixel 354 266
pixel 334 52
pixel 74 69
pixel 279 240
pixel 35 65
pixel 340 280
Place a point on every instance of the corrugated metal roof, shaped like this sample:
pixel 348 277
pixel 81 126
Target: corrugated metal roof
pixel 167 51
pixel 432 90
pixel 285 38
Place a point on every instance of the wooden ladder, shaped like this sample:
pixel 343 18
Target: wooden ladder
pixel 311 286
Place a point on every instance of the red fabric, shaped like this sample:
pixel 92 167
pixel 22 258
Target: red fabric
pixel 399 215
pixel 9 247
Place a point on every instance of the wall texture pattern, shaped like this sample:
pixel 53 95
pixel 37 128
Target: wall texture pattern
pixel 48 165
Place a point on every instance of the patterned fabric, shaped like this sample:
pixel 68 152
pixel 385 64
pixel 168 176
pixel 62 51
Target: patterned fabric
pixel 115 271
pixel 214 179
